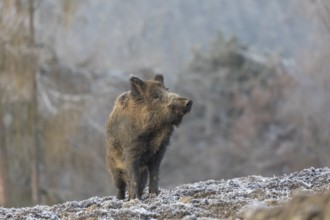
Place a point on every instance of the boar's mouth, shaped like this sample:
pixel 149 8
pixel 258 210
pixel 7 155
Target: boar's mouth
pixel 177 118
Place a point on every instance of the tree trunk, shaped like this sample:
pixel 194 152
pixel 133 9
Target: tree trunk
pixel 3 166
pixel 35 175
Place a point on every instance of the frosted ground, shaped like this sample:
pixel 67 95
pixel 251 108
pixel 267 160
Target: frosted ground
pixel 237 198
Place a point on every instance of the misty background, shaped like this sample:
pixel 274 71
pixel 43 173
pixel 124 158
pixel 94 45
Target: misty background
pixel 256 70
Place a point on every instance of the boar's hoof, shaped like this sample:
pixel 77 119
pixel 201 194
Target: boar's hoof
pixel 154 192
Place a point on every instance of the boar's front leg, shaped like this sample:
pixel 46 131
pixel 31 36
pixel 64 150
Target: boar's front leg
pixel 154 171
pixel 132 164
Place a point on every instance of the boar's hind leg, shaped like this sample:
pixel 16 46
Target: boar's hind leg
pixel 119 183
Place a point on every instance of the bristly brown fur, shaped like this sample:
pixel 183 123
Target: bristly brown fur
pixel 137 132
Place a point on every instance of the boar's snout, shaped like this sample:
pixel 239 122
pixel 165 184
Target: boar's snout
pixel 188 105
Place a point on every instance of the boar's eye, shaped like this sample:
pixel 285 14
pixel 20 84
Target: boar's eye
pixel 155 96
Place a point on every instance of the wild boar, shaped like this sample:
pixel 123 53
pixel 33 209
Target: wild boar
pixel 137 132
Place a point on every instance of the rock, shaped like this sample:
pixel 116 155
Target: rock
pixel 302 207
pixel 250 209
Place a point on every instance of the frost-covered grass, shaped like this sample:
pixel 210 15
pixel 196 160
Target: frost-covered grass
pixel 221 199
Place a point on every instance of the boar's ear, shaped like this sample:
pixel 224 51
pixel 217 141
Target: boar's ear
pixel 137 86
pixel 159 77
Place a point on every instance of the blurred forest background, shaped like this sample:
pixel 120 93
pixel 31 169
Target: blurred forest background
pixel 258 72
